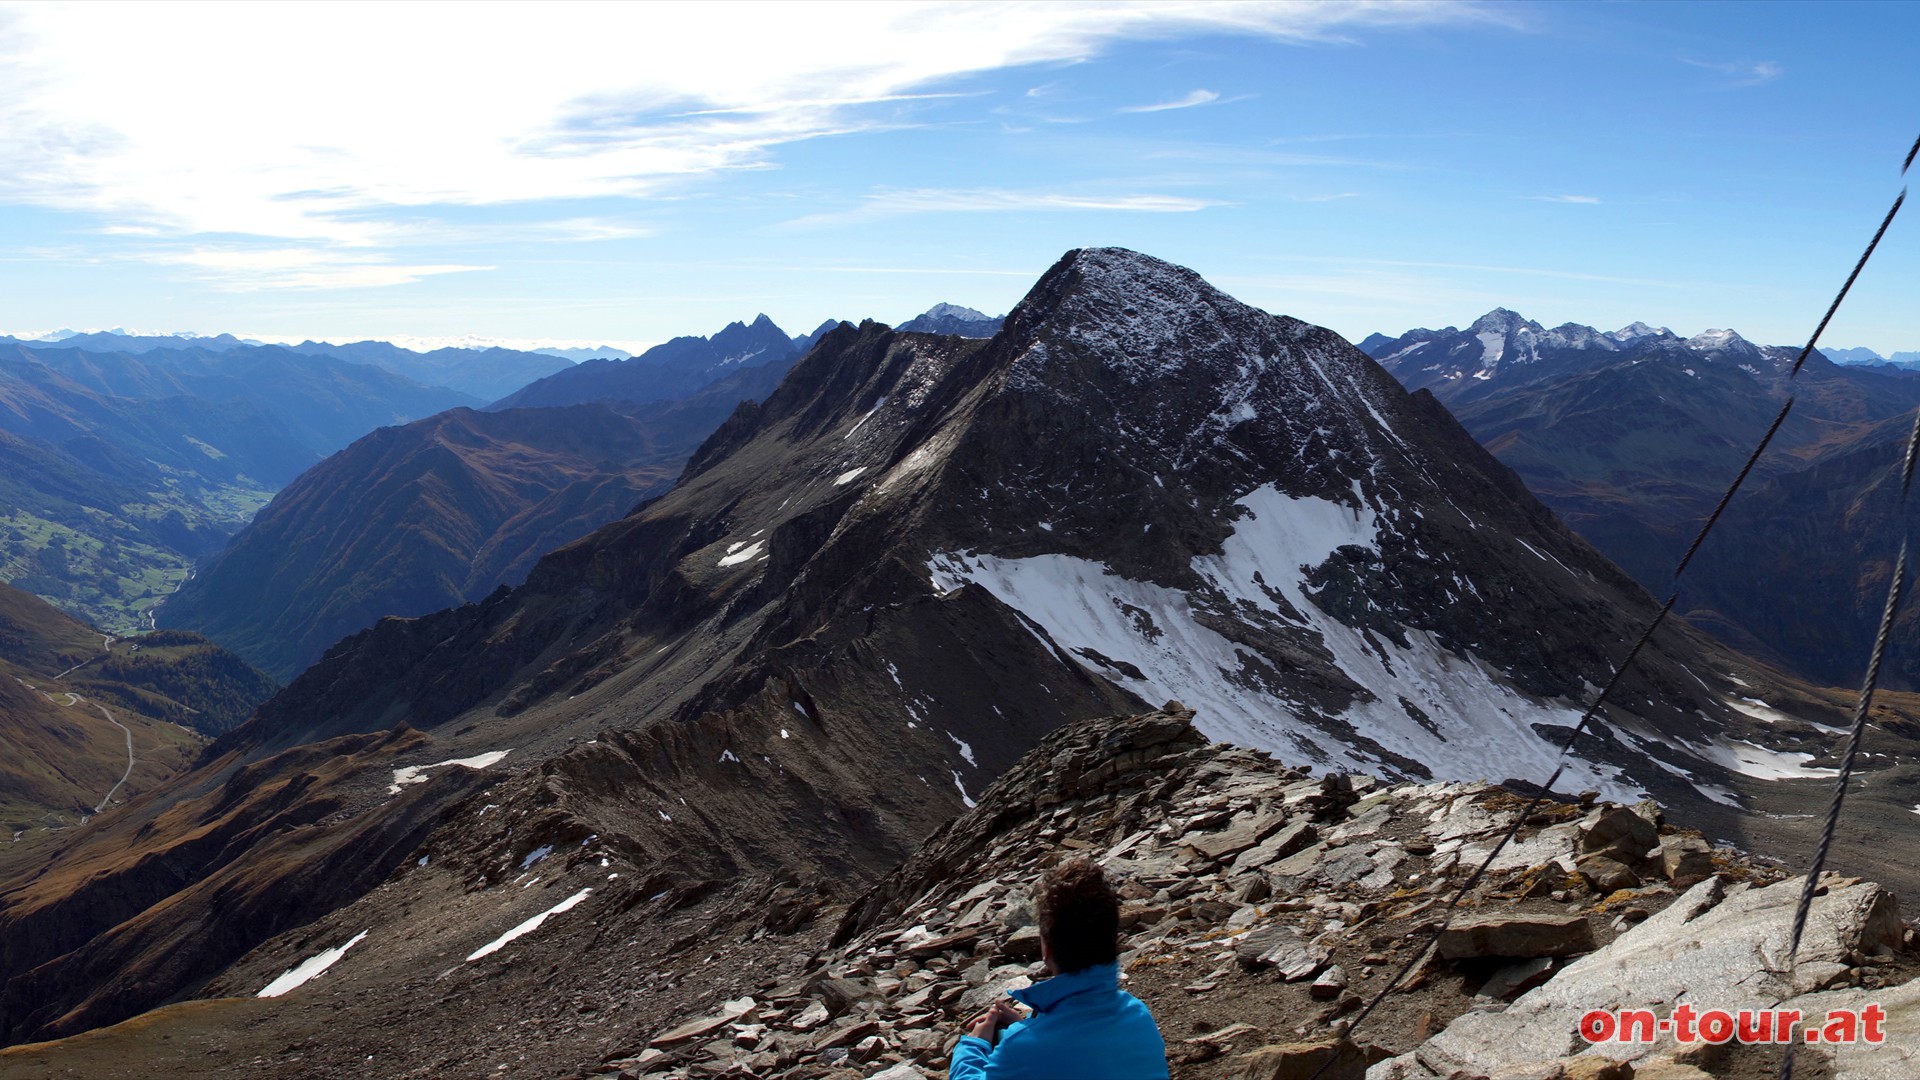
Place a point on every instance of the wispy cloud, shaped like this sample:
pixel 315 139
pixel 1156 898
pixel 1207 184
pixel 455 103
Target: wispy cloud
pixel 253 270
pixel 1582 200
pixel 1187 101
pixel 1740 73
pixel 977 200
pixel 508 104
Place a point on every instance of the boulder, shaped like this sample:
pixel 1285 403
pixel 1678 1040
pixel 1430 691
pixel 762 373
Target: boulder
pixel 1517 936
pixel 1605 873
pixel 1618 832
pixel 1686 860
pixel 1303 1061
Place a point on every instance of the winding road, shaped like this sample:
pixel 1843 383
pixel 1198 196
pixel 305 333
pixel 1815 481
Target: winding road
pixel 130 760
pixel 74 699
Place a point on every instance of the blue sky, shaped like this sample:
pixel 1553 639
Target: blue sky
pixel 623 174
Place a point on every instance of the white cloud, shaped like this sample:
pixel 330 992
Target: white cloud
pixel 304 123
pixel 246 270
pixel 974 200
pixel 1740 73
pixel 1583 200
pixel 1188 101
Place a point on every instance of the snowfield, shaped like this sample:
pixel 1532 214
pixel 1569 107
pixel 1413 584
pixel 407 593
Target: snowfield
pixel 1475 725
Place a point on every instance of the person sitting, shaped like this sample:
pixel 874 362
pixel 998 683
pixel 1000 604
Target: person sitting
pixel 1082 1025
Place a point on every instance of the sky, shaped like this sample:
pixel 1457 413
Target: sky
pixel 622 174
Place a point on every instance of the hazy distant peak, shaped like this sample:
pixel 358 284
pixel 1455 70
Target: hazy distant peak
pixel 1636 330
pixel 945 310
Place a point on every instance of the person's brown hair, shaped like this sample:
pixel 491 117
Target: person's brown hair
pixel 1079 915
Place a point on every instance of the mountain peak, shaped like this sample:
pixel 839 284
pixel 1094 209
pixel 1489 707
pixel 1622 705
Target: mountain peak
pixel 945 310
pixel 1636 330
pixel 1502 321
pixel 1715 339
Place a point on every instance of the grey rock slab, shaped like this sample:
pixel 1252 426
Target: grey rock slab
pixel 1238 836
pixel 1716 946
pixel 1289 839
pixel 1300 862
pixel 1898 1058
pixel 1283 949
pixel 1553 845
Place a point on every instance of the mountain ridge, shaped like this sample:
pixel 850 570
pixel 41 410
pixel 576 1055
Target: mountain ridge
pixel 844 621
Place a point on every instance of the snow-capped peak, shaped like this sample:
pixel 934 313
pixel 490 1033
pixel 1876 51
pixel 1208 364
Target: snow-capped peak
pixel 954 311
pixel 1636 330
pixel 1714 339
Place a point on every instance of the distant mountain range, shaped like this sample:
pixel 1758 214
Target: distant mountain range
pixel 868 594
pixel 483 373
pixel 1632 436
pixel 669 371
pixel 1868 356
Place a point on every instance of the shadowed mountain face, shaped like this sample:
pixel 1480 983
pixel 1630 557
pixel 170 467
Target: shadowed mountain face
pixel 416 518
pixel 1633 436
pixel 869 594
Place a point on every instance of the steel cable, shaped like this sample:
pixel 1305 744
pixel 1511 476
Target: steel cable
pixel 1453 903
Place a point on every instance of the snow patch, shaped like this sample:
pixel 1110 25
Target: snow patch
pixel 735 558
pixel 849 476
pixel 1751 759
pixel 964 797
pixel 965 750
pixel 415 774
pixel 527 927
pixel 309 968
pixel 536 855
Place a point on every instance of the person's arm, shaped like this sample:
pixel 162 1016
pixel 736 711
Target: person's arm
pixel 974 1053
pixel 970 1059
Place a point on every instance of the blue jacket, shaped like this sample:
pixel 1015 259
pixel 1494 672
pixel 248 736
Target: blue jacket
pixel 1083 1027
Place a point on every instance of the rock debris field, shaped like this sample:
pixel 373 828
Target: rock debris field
pixel 1263 906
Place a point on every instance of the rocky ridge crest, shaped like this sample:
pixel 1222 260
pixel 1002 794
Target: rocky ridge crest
pixel 1262 905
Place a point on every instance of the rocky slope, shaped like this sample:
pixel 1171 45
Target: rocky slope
pixel 868 595
pixel 1632 436
pixel 1262 904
